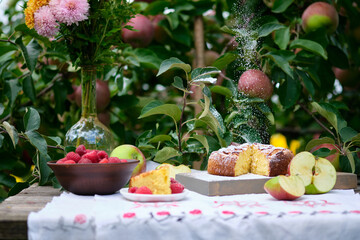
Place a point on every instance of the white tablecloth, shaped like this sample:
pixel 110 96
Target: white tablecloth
pixel 335 215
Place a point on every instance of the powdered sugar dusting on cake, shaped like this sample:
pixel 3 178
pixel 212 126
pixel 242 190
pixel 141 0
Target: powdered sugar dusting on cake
pixel 204 175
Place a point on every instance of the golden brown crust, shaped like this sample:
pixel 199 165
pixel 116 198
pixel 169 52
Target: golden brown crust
pixel 223 161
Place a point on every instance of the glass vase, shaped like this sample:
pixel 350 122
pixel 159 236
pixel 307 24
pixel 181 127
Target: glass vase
pixel 89 131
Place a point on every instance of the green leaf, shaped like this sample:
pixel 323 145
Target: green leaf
pixel 268 28
pixel 224 60
pixel 12 132
pixel 147 58
pixel 282 58
pixel 310 46
pixel 204 75
pixel 165 154
pixel 221 90
pixel 207 102
pixel 1 140
pixel 307 81
pixel 281 5
pixel 153 108
pixel 173 63
pixel 316 142
pixel 156 7
pixel 29 89
pixel 178 83
pixel 226 29
pixel 330 116
pixel 356 138
pixel 45 171
pixel 160 138
pixel 31 32
pixel 37 141
pixel 31 119
pixel 282 37
pixel 18 187
pixel 7 180
pixel 347 134
pixel 12 90
pixel 30 52
pixel 351 161
pixel 202 139
pixel 56 140
pixel 337 57
pixel 289 92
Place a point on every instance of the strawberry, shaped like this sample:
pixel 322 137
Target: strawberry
pixel 84 161
pixel 81 150
pixel 123 160
pixel 172 180
pixel 73 156
pixel 114 160
pixel 102 154
pixel 61 161
pixel 143 190
pixel 132 189
pixel 92 156
pixel 104 160
pixel 176 188
pixel 69 162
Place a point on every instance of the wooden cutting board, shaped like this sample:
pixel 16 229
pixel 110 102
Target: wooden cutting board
pixel 211 185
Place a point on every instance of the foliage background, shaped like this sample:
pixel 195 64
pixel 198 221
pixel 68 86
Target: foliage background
pixel 36 79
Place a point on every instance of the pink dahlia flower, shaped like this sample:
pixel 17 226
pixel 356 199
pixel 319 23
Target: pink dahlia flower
pixel 44 22
pixel 70 11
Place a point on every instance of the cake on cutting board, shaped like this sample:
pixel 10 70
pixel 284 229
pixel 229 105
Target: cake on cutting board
pixel 256 158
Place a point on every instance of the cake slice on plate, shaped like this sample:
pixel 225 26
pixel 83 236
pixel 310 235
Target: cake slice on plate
pixel 158 181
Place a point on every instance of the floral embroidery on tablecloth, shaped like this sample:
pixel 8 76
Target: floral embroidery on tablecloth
pixel 129 215
pixel 312 204
pixel 80 219
pixel 240 204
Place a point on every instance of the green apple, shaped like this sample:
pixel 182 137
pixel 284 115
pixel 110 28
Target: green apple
pixel 318 174
pixel 173 170
pixel 127 151
pixel 285 187
pixel 320 15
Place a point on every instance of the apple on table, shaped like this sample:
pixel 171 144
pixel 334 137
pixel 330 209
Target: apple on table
pixel 318 174
pixel 285 187
pixel 128 151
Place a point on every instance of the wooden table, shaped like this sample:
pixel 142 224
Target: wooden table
pixel 15 210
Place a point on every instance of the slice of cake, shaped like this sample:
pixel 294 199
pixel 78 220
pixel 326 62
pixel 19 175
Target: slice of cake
pixel 158 181
pixel 261 159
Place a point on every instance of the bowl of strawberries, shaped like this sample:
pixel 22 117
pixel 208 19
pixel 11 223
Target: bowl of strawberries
pixel 90 172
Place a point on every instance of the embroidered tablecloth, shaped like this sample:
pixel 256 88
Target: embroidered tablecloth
pixel 335 215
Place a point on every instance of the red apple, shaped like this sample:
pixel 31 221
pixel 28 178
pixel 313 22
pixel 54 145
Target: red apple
pixel 160 34
pixel 127 151
pixel 320 15
pixel 102 95
pixel 143 34
pixel 255 83
pixel 285 187
pixel 104 118
pixel 333 158
pixel 347 77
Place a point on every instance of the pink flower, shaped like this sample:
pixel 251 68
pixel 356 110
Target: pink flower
pixel 70 11
pixel 45 23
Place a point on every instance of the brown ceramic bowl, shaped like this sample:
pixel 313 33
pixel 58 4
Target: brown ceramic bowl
pixel 94 178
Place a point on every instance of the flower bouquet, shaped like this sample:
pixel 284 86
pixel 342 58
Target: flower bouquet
pixel 90 30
